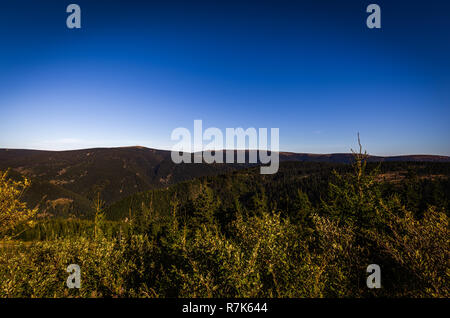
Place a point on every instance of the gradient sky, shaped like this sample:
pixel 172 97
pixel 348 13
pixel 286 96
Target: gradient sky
pixel 136 70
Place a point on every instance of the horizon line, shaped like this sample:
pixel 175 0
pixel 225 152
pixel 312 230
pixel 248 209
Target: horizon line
pixel 280 151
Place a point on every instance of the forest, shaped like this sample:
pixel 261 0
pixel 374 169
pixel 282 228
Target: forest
pixel 310 230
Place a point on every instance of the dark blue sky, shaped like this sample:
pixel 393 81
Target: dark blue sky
pixel 136 70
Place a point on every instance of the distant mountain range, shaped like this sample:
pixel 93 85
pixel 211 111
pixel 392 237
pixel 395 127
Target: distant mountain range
pixel 348 157
pixel 66 182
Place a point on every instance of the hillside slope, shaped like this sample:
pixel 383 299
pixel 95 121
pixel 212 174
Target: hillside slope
pixel 247 189
pixel 66 182
pixel 77 176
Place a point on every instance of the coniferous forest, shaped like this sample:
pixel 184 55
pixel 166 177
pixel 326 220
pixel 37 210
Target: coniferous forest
pixel 310 230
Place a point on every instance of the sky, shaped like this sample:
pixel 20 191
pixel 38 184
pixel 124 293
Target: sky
pixel 137 70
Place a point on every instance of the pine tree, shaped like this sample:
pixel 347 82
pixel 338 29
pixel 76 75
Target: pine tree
pixel 99 217
pixel 205 206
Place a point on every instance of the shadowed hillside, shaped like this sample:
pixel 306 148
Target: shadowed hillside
pixel 247 188
pixel 66 181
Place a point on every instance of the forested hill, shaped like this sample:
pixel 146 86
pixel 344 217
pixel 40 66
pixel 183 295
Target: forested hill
pixel 298 186
pixel 64 183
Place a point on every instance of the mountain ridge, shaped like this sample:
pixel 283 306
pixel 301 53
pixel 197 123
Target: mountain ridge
pixel 65 182
pixel 286 154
